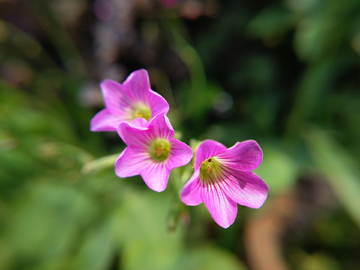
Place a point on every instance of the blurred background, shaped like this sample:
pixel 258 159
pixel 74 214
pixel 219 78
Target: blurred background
pixel 285 73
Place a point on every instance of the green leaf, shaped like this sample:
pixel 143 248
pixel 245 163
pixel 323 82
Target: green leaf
pixel 97 248
pixel 45 224
pixel 339 168
pixel 210 258
pixel 278 169
pixel 141 224
pixel 273 21
pixel 100 164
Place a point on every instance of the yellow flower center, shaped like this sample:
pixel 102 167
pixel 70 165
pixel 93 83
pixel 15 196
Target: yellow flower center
pixel 159 149
pixel 211 170
pixel 142 111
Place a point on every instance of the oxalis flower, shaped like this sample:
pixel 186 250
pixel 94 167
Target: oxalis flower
pixel 128 101
pixel 223 179
pixel 151 151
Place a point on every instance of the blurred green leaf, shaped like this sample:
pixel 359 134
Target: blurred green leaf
pixel 315 38
pixel 26 115
pixel 198 96
pixel 272 21
pixel 209 258
pixel 319 261
pixel 315 83
pixel 97 248
pixel 100 164
pixel 60 38
pixel 46 222
pixel 322 32
pixel 338 167
pixel 146 244
pixel 278 169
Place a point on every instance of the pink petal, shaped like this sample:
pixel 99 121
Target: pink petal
pixel 157 104
pixel 137 85
pixel 136 137
pixel 115 98
pixel 222 209
pixel 243 156
pixel 245 188
pixel 191 193
pixel 160 126
pixel 105 121
pixel 180 154
pixel 130 163
pixel 207 149
pixel 156 176
pixel 139 123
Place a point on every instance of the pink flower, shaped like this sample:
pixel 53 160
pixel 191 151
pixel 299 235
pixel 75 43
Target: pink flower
pixel 223 179
pixel 128 101
pixel 151 151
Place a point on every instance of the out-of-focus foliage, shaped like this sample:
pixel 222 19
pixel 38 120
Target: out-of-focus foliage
pixel 285 73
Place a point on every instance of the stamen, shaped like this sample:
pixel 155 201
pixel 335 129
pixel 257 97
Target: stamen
pixel 159 149
pixel 141 111
pixel 209 167
pixel 138 114
pixel 211 170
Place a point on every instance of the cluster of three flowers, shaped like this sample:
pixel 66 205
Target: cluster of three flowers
pixel 222 177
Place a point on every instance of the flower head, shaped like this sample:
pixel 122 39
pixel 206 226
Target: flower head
pixel 128 101
pixel 151 151
pixel 223 179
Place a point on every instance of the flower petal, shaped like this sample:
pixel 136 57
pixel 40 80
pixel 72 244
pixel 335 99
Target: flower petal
pixel 115 98
pixel 157 104
pixel 156 176
pixel 104 120
pixel 243 156
pixel 130 163
pixel 180 154
pixel 160 127
pixel 207 149
pixel 191 193
pixel 137 85
pixel 245 188
pixel 139 123
pixel 134 136
pixel 222 209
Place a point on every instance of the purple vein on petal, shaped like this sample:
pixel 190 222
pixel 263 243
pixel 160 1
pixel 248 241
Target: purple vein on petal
pixel 221 207
pixel 208 148
pixel 157 103
pixel 180 154
pixel 105 121
pixel 245 188
pixel 115 98
pixel 137 86
pixel 135 137
pixel 160 127
pixel 243 156
pixel 130 163
pixel 156 176
pixel 191 193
